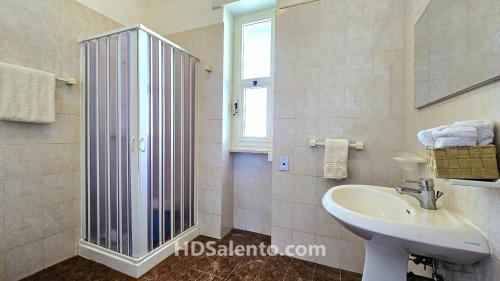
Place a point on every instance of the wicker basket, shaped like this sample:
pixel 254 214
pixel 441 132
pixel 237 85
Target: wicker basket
pixel 475 162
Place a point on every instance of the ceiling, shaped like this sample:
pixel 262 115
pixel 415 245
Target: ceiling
pixel 248 6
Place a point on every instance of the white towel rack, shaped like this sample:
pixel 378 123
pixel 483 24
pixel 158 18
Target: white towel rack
pixel 357 145
pixel 68 80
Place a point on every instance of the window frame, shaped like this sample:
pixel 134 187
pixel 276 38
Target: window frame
pixel 240 143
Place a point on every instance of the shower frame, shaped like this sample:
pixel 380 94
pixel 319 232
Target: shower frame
pixel 141 257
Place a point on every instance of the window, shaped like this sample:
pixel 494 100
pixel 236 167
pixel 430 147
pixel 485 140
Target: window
pixel 253 83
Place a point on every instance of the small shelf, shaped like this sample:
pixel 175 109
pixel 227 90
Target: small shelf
pixel 411 160
pixel 478 183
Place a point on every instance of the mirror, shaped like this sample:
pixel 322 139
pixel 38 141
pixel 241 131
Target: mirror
pixel 457 48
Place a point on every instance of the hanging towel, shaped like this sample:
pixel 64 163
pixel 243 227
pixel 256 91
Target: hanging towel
pixel 26 95
pixel 484 129
pixel 335 161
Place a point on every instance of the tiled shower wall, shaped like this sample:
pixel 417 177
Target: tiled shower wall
pixel 39 163
pixel 215 163
pixel 339 74
pixel 481 206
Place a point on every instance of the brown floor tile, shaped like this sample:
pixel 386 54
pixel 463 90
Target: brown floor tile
pixel 300 270
pixel 204 268
pixel 326 273
pixel 207 277
pixel 219 266
pixel 269 275
pixel 245 271
pixel 350 276
pixel 184 274
pixel 278 263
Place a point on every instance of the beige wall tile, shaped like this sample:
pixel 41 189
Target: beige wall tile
pixel 281 237
pixel 22 195
pixel 341 63
pixel 2 266
pixel 38 161
pixel 66 129
pixel 57 248
pixel 304 239
pixel 476 204
pixel 22 228
pixel 20 161
pixel 57 218
pixel 24 261
pixel 58 188
pixel 58 158
pixel 2 199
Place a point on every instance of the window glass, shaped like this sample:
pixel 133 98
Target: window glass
pixel 256 57
pixel 255 112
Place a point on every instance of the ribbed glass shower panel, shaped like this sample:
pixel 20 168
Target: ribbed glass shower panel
pixel 113 143
pixel 186 93
pixel 124 159
pixel 139 144
pixel 178 141
pixel 192 94
pixel 92 136
pixel 167 141
pixel 107 141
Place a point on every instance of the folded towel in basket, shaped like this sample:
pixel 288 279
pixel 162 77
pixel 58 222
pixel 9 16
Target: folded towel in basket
pixel 484 129
pixel 455 142
pixel 455 136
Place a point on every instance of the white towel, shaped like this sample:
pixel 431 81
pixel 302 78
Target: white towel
pixel 425 137
pixel 454 136
pixel 443 142
pixel 335 160
pixel 455 132
pixel 484 129
pixel 26 95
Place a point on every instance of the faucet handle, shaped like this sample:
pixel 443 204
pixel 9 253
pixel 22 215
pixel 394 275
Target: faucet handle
pixel 439 194
pixel 424 184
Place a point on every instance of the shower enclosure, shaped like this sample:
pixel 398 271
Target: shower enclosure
pixel 138 148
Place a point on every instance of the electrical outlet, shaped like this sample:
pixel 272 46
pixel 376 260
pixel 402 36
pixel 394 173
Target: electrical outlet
pixel 284 163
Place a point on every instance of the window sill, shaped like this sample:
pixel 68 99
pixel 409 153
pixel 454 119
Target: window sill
pixel 258 150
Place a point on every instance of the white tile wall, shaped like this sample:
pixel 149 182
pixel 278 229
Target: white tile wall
pixel 252 193
pixel 339 68
pixel 39 163
pixel 215 164
pixel 479 205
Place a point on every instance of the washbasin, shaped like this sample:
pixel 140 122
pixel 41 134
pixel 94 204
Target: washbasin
pixel 394 226
pixel 376 203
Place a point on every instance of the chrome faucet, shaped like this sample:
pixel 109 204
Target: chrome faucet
pixel 425 193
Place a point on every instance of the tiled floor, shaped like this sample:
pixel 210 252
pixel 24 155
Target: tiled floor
pixel 201 268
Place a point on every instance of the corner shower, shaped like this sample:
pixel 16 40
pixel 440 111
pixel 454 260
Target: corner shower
pixel 138 148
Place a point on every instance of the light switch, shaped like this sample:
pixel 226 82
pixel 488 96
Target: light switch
pixel 283 163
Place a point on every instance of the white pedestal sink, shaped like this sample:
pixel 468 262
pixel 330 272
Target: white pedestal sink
pixel 394 226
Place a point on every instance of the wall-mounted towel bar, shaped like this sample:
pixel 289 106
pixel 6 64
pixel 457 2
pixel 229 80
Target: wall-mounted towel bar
pixel 357 145
pixel 68 80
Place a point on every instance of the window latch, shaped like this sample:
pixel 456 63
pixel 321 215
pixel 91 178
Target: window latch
pixel 235 106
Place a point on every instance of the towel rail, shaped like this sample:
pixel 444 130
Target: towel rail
pixel 357 145
pixel 68 80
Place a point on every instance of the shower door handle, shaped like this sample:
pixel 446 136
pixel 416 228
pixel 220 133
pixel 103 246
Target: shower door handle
pixel 142 145
pixel 132 144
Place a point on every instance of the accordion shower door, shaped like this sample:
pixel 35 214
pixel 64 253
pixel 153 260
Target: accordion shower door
pixel 139 141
